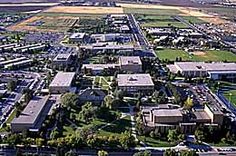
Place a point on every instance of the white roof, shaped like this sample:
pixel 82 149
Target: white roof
pixel 130 60
pixel 63 79
pixel 134 80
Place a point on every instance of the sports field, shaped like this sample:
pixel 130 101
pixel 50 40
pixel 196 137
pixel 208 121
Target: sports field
pixel 231 96
pixel 213 55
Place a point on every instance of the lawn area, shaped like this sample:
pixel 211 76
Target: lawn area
pixel 150 11
pixel 12 116
pixel 103 82
pixel 231 96
pixel 117 127
pixel 171 54
pixel 158 21
pixel 193 19
pixel 154 142
pixel 213 55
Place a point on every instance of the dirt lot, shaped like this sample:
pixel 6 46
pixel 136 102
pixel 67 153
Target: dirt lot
pixel 85 10
pixel 198 53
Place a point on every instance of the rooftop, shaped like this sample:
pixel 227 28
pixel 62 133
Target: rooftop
pixel 167 112
pixel 62 57
pixel 31 112
pixel 134 80
pixel 210 67
pixel 77 35
pixel 99 66
pixel 63 79
pixel 128 60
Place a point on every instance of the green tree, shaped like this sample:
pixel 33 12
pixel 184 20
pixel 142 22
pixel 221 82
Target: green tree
pixel 172 136
pixel 143 153
pixel 88 112
pixel 188 104
pixel 188 153
pixel 199 134
pixel 69 100
pixel 102 153
pixel 170 152
pixel 11 85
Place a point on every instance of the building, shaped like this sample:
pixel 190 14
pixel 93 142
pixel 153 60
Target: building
pixel 62 82
pixel 77 38
pixel 166 116
pixel 96 69
pixel 16 63
pixel 130 64
pixel 62 60
pixel 216 71
pixel 94 95
pixel 32 116
pixel 214 113
pixel 105 37
pixel 133 83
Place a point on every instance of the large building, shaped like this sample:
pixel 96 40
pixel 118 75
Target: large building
pixel 216 71
pixel 131 64
pixel 62 60
pixel 77 38
pixel 133 83
pixel 97 69
pixel 62 83
pixel 32 116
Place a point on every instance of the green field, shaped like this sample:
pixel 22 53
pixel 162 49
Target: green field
pixel 154 142
pixel 117 127
pixel 150 11
pixel 231 96
pixel 213 55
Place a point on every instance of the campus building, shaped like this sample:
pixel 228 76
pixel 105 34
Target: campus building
pixel 133 83
pixel 77 38
pixel 216 71
pixel 32 116
pixel 131 64
pixel 62 83
pixel 62 60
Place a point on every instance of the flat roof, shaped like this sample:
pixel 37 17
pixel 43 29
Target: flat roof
pixel 31 112
pixel 78 35
pixel 167 112
pixel 202 66
pixel 130 60
pixel 134 80
pixel 99 66
pixel 62 57
pixel 63 79
pixel 201 115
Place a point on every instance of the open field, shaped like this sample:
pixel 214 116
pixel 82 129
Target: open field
pixel 48 23
pixel 214 55
pixel 85 10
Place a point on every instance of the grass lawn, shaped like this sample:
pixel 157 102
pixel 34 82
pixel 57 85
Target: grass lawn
pixel 12 116
pixel 154 142
pixel 117 127
pixel 231 96
pixel 102 81
pixel 150 11
pixel 193 19
pixel 171 54
pixel 213 55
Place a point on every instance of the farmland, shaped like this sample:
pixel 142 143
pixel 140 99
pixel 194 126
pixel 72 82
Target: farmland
pixel 213 55
pixel 85 10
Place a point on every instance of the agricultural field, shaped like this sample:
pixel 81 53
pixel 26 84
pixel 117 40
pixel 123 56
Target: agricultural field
pixel 213 55
pixel 85 10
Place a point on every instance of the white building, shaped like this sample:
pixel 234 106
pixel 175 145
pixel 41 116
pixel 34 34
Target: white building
pixel 62 82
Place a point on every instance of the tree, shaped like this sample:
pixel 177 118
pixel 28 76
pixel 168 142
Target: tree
pixel 126 140
pixel 188 103
pixel 88 112
pixel 170 152
pixel 69 100
pixel 102 153
pixel 199 134
pixel 172 136
pixel 143 153
pixel 188 153
pixel 11 85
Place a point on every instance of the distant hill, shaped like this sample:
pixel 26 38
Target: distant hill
pixel 29 1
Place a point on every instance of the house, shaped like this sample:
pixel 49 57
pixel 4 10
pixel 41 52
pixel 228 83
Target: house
pixel 62 83
pixel 94 95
